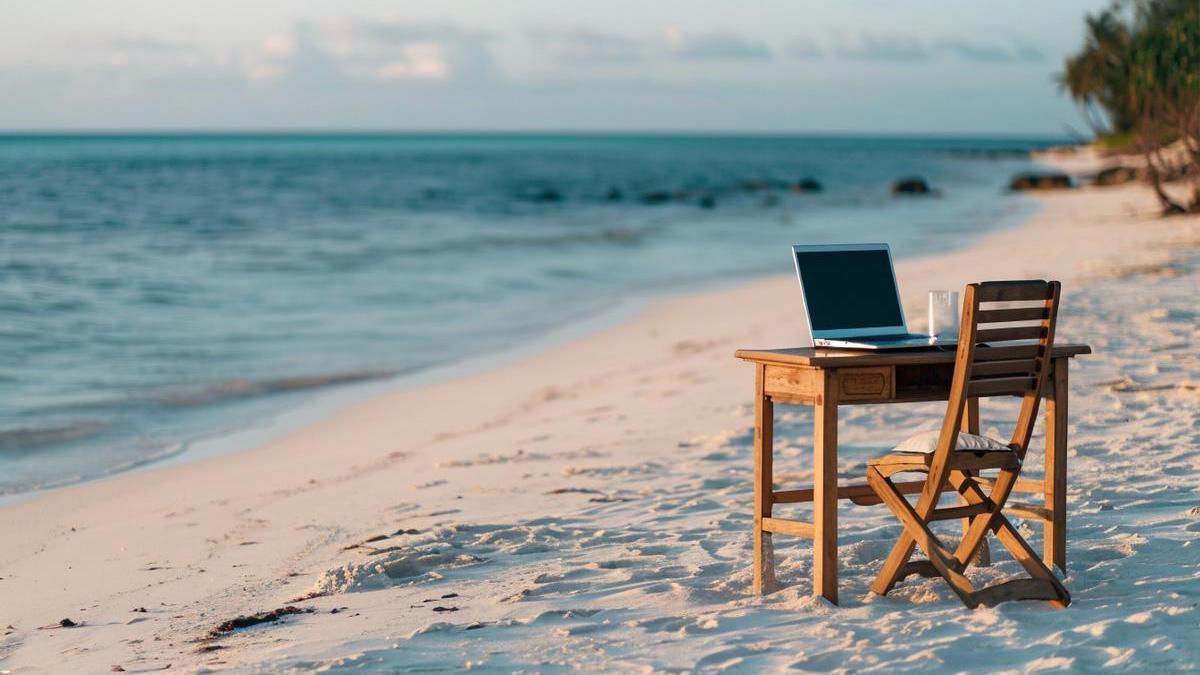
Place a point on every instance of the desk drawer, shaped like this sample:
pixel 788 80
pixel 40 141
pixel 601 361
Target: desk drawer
pixel 866 384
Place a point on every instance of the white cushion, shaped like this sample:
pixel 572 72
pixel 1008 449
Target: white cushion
pixel 926 441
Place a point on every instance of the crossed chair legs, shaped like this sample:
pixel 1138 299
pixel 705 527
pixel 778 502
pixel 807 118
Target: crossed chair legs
pixel 1042 584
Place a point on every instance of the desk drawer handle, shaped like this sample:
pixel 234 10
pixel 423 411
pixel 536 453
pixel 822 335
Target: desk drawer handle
pixel 865 383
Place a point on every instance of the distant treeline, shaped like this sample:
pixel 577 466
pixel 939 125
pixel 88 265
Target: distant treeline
pixel 1137 79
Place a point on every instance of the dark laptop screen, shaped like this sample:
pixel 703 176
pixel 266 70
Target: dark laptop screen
pixel 849 289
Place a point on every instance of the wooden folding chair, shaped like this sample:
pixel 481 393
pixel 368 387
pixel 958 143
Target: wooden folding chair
pixel 992 361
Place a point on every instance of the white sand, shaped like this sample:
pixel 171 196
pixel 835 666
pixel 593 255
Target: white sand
pixel 591 505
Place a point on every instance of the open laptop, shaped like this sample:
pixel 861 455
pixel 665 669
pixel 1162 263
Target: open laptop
pixel 851 297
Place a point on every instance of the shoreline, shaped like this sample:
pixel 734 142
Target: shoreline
pixel 320 404
pixel 218 536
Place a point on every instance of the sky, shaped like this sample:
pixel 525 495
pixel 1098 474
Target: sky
pixel 756 66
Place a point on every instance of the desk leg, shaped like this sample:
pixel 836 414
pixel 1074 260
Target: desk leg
pixel 825 482
pixel 970 424
pixel 764 424
pixel 1055 486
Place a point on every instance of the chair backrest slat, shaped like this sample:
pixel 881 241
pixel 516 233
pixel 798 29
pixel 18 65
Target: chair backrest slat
pixel 1005 368
pixel 1012 291
pixel 1006 334
pixel 1013 314
pixel 999 386
pixel 983 354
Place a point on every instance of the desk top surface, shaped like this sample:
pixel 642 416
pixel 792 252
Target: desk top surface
pixel 849 358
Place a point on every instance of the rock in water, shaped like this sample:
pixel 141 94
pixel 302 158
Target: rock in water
pixel 808 184
pixel 1040 181
pixel 911 186
pixel 1116 175
pixel 546 196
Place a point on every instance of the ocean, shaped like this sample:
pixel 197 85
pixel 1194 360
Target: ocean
pixel 160 289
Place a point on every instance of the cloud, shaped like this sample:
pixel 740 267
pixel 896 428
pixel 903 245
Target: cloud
pixel 988 52
pixel 879 47
pixel 900 47
pixel 589 47
pixel 714 46
pixel 974 51
pixel 382 51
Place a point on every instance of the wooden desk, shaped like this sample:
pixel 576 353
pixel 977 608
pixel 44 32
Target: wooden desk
pixel 828 378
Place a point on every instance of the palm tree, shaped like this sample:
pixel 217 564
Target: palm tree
pixel 1094 77
pixel 1139 73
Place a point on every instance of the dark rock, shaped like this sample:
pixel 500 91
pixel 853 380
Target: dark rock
pixel 1040 181
pixel 808 184
pixel 760 184
pixel 708 202
pixel 914 185
pixel 656 197
pixel 545 196
pixel 1116 175
pixel 989 153
pixel 67 623
pixel 614 195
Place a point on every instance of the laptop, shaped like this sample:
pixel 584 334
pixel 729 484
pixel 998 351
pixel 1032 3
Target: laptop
pixel 851 297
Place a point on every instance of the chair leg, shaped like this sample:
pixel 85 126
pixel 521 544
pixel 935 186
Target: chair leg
pixel 1013 541
pixel 939 557
pixel 893 568
pixel 975 534
pixel 983 557
pixel 891 572
pixel 1021 551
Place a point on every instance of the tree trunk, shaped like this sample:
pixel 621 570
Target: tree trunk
pixel 1169 207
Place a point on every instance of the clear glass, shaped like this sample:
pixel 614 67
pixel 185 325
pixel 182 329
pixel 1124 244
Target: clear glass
pixel 943 314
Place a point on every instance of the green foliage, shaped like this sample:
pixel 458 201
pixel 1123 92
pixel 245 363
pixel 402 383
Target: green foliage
pixel 1137 81
pixel 1117 141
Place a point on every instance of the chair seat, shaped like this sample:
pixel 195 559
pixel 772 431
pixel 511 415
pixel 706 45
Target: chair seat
pixel 926 441
pixel 972 452
pixel 974 460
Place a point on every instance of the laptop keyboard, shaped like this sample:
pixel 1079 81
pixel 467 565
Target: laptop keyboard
pixel 895 338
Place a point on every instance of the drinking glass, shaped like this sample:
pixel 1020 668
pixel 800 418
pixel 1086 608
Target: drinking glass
pixel 943 314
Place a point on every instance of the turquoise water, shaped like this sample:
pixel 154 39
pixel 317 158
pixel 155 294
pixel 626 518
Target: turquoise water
pixel 154 289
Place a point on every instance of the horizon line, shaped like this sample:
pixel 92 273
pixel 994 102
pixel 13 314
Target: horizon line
pixel 374 131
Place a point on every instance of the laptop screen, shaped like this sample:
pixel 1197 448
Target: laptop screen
pixel 849 289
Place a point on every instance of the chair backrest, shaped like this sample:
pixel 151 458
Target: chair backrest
pixel 1004 343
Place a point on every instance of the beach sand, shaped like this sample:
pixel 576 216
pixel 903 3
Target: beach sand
pixel 590 506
